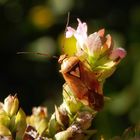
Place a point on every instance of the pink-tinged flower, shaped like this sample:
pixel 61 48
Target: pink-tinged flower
pixel 117 53
pixel 98 47
pixel 94 44
pixel 80 34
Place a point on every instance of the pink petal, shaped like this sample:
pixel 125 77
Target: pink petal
pixel 118 53
pixel 70 31
pixel 82 27
pixel 101 32
pixel 81 31
pixel 81 34
pixel 94 43
pixel 109 41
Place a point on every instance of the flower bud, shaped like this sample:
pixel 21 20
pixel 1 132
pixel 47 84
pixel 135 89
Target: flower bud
pixel 42 126
pixel 38 119
pixel 20 124
pixel 4 120
pixel 4 131
pixel 2 112
pixel 12 125
pixel 11 105
pixel 53 126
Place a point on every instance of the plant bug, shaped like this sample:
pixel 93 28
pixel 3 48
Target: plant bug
pixel 83 82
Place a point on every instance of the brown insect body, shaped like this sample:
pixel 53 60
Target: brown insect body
pixel 83 82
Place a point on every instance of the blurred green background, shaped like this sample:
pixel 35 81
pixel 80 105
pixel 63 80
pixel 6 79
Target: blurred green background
pixel 38 26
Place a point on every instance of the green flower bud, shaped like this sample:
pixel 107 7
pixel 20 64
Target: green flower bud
pixel 20 124
pixel 12 125
pixel 4 131
pixel 11 105
pixel 2 112
pixel 4 120
pixel 53 126
pixel 42 126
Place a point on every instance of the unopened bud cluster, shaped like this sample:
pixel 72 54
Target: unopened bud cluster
pixel 12 119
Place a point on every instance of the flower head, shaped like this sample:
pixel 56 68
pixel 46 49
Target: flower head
pixel 98 48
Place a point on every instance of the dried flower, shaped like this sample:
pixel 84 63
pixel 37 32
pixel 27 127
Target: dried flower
pixel 62 116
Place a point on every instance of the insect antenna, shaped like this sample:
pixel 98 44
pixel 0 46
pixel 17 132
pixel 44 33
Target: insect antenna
pixel 44 54
pixel 67 23
pixel 38 53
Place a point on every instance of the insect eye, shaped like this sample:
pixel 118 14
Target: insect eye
pixel 97 73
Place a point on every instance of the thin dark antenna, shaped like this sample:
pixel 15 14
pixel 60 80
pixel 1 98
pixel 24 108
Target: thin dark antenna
pixel 43 54
pixel 67 23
